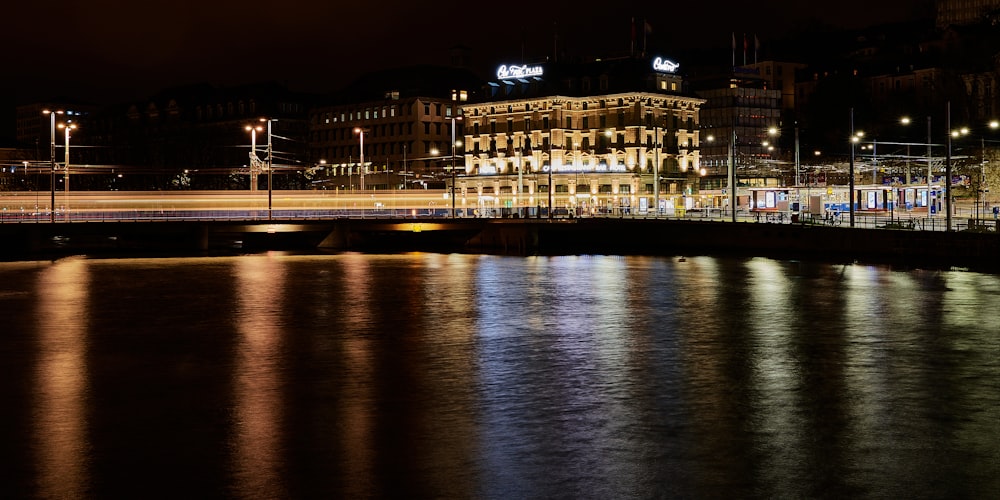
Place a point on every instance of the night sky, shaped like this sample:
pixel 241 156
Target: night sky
pixel 120 50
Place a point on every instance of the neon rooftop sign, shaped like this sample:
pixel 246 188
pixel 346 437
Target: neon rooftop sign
pixel 514 71
pixel 665 65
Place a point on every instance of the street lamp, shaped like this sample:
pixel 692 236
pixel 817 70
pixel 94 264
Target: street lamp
pixel 855 138
pixel 731 174
pixel 453 118
pixel 361 136
pixel 270 163
pixel 254 160
pixel 964 131
pixel 52 156
pixel 982 189
pixel 947 170
pixel 656 170
pixel 67 127
pixel 906 121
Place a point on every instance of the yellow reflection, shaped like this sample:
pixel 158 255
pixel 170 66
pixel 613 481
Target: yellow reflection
pixel 257 455
pixel 60 416
pixel 357 414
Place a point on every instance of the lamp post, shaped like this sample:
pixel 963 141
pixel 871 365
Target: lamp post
pixel 361 136
pixel 731 174
pixel 947 170
pixel 854 140
pixel 453 119
pixel 906 121
pixel 518 196
pixel 981 188
pixel 270 162
pixel 551 164
pixel 656 168
pixel 254 161
pixel 67 127
pixel 52 156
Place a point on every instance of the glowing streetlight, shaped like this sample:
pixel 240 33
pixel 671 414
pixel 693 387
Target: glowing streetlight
pixel 52 156
pixel 453 144
pixel 906 121
pixel 254 160
pixel 361 137
pixel 270 163
pixel 67 127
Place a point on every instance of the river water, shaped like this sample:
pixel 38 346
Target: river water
pixel 468 376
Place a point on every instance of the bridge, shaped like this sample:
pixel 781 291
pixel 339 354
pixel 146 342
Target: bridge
pixel 213 222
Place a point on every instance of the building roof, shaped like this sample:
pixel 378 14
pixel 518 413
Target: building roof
pixel 581 79
pixel 413 81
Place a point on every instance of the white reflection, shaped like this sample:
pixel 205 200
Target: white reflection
pixel 61 390
pixel 257 458
pixel 776 376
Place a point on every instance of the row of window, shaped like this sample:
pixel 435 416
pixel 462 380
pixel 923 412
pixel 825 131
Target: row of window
pixel 337 153
pixel 670 122
pixel 381 112
pixel 584 106
pixel 391 130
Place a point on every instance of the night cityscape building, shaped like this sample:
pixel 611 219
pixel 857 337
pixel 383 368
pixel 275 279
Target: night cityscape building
pixel 959 12
pixel 405 114
pixel 585 137
pixel 739 106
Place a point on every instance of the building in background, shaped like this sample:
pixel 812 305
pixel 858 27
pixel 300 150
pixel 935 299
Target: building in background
pixel 607 136
pixel 961 12
pixel 405 116
pixel 738 122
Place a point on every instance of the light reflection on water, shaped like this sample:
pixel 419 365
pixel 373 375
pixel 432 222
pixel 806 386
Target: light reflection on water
pixel 60 417
pixel 458 376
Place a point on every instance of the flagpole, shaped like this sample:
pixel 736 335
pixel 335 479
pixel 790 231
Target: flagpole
pixel 632 48
pixel 734 49
pixel 645 31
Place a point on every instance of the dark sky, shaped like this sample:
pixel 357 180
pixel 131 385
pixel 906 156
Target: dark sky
pixel 120 50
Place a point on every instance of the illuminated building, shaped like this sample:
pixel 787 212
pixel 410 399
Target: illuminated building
pixel 739 112
pixel 599 137
pixel 406 115
pixel 960 12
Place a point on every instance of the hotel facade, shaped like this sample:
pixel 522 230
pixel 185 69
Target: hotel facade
pixel 609 137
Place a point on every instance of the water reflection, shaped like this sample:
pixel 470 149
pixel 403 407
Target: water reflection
pixel 257 460
pixel 460 376
pixel 61 380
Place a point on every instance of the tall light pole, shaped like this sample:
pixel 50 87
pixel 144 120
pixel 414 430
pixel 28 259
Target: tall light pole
pixel 52 156
pixel 270 163
pixel 67 127
pixel 518 196
pixel 981 189
pixel 850 200
pixel 797 163
pixel 254 161
pixel 731 174
pixel 656 168
pixel 947 169
pixel 453 212
pixel 361 135
pixel 929 167
pixel 906 121
pixel 551 164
